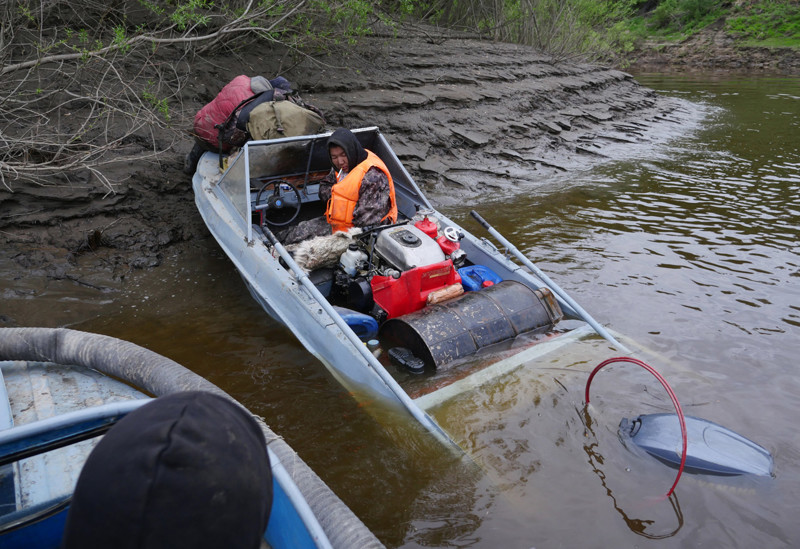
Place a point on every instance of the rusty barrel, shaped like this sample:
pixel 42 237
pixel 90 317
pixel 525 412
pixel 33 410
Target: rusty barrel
pixel 441 333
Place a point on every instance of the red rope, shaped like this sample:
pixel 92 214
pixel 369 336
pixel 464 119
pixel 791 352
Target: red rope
pixel 669 390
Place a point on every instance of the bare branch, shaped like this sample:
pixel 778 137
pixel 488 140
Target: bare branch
pixel 82 88
pixel 69 111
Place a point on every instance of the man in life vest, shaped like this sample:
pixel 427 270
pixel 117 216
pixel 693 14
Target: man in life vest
pixel 359 191
pixel 363 193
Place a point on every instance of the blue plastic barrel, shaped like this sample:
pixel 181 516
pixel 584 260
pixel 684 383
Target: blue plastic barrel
pixel 473 277
pixel 363 325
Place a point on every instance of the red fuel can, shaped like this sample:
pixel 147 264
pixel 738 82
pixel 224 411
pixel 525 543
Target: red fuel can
pixel 409 293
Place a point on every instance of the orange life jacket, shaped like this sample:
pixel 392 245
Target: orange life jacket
pixel 344 195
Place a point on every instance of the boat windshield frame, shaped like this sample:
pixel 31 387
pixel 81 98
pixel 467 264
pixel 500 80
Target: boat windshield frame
pixel 258 160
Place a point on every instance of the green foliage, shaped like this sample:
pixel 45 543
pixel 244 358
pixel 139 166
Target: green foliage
pixel 428 10
pixel 353 17
pixel 407 7
pixel 333 24
pixel 161 105
pixel 563 28
pixel 683 16
pixel 607 28
pixel 189 13
pixel 26 13
pixel 607 24
pixel 773 23
pixel 121 39
pixel 761 22
pixel 153 7
pixel 596 29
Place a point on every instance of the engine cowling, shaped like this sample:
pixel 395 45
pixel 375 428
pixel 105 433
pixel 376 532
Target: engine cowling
pixel 406 247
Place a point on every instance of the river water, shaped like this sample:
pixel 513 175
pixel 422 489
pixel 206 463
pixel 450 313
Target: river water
pixel 689 248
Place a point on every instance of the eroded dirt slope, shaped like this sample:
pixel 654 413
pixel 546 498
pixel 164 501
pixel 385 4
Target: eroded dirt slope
pixel 465 116
pixel 715 49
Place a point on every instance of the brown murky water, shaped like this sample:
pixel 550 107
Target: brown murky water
pixel 689 248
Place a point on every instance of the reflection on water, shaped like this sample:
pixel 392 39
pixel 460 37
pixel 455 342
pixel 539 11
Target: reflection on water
pixel 689 249
pixel 638 526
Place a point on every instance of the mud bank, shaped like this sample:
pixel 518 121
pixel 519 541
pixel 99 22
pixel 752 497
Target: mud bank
pixel 466 117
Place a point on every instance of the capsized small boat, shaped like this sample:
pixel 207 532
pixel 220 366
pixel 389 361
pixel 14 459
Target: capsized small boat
pixel 61 389
pixel 408 314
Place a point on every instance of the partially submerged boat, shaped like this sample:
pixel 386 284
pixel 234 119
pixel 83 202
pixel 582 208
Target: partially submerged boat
pixel 61 389
pixel 410 313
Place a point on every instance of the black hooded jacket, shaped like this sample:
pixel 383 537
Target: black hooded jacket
pixel 347 140
pixel 374 198
pixel 374 201
pixel 186 470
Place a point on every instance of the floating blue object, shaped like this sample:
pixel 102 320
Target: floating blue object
pixel 473 277
pixel 363 325
pixel 711 448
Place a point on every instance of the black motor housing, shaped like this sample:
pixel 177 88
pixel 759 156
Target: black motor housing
pixel 359 295
pixel 441 333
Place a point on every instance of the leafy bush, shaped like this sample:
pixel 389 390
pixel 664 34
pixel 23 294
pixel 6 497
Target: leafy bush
pixel 591 29
pixel 684 16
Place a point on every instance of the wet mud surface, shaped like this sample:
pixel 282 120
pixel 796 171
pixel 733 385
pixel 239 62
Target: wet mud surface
pixel 467 118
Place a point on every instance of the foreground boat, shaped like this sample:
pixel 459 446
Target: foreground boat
pixel 411 313
pixel 57 394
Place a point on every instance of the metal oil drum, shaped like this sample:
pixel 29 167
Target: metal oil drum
pixel 441 333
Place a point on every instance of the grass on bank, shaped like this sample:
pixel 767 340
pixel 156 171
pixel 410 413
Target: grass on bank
pixel 770 24
pixel 610 29
pixel 765 23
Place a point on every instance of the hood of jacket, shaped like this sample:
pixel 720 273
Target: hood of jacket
pixel 347 140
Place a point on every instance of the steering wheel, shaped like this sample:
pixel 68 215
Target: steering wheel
pixel 270 198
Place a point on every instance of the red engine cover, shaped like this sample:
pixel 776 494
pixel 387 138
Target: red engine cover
pixel 409 293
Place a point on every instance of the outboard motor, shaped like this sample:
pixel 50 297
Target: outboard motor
pixel 417 270
pixel 711 448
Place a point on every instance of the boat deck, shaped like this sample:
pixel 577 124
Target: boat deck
pixel 34 391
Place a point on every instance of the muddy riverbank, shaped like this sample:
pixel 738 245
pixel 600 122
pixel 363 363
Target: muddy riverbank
pixel 469 119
